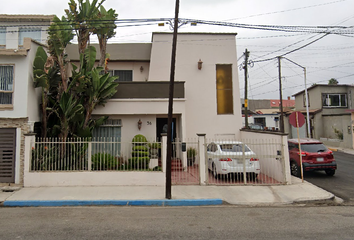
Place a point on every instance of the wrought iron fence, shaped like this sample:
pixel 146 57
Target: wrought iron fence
pixel 100 154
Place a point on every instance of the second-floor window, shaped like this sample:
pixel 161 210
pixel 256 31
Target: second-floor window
pixel 334 100
pixel 6 85
pixel 123 75
pixel 2 36
pixel 34 33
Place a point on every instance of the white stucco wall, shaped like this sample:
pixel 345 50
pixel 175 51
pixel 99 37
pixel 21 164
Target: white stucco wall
pixel 34 94
pixel 135 66
pixel 267 146
pixel 25 97
pixel 200 85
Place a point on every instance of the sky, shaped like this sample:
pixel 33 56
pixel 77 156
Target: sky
pixel 330 57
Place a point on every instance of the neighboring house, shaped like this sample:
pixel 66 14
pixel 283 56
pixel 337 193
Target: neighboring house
pixel 329 110
pixel 268 118
pixel 266 112
pixel 20 36
pixel 206 91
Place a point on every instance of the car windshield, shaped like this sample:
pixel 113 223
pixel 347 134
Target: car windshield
pixel 233 148
pixel 317 147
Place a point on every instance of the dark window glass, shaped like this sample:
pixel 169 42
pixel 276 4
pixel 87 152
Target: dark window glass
pixel 123 75
pixel 318 147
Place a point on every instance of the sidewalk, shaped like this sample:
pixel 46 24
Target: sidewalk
pixel 338 149
pixel 298 192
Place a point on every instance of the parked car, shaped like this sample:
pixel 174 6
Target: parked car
pixel 315 157
pixel 226 157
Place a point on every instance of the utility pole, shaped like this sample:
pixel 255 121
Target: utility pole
pixel 170 105
pixel 281 98
pixel 245 67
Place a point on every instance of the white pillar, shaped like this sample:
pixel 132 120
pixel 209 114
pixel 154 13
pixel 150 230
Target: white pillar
pixel 164 151
pixel 29 143
pixel 201 159
pixel 286 160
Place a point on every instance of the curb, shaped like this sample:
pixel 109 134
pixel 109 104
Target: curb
pixel 333 149
pixel 60 203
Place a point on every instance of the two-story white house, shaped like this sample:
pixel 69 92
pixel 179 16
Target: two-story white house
pixel 206 91
pixel 20 36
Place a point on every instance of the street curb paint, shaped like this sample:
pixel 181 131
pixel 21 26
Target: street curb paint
pixel 61 203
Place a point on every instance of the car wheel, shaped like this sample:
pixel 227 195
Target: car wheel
pixel 330 172
pixel 295 169
pixel 215 173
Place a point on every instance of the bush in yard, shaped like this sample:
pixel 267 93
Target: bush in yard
pixel 139 140
pixel 140 155
pixel 104 161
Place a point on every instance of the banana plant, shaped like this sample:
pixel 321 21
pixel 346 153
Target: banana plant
pixel 83 18
pixel 45 76
pixel 67 109
pixel 60 35
pixel 105 30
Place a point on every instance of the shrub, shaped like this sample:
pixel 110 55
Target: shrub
pixel 155 145
pixel 140 154
pixel 191 152
pixel 139 140
pixel 136 163
pixel 104 161
pixel 140 148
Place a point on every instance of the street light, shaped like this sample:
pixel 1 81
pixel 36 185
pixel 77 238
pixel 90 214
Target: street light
pixel 306 96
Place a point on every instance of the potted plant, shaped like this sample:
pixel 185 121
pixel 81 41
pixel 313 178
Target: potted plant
pixel 191 153
pixel 154 149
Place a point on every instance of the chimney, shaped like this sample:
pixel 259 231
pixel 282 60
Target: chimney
pixel 288 98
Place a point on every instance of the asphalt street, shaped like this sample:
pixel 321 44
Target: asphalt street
pixel 222 222
pixel 342 183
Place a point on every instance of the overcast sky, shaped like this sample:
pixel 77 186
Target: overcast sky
pixel 330 57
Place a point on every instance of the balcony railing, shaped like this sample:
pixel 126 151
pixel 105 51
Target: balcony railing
pixel 148 90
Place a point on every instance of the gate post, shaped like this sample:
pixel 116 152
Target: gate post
pixel 30 138
pixel 163 151
pixel 201 151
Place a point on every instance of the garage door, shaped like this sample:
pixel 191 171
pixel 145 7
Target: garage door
pixel 7 155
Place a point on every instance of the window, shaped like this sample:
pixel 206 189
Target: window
pixel 6 84
pixel 123 75
pixel 224 89
pixel 334 100
pixel 34 33
pixel 2 36
pixel 107 138
pixel 304 98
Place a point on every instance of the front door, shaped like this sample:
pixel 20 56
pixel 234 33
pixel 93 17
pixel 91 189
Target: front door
pixel 7 155
pixel 161 127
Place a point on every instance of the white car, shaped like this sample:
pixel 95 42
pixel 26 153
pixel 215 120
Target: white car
pixel 226 157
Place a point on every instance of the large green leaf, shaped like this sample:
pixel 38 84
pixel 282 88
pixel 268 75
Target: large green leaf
pixel 90 57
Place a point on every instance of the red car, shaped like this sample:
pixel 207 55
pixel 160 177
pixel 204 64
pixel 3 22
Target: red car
pixel 315 156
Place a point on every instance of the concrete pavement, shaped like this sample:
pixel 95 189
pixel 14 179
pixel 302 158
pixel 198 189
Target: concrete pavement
pixel 297 192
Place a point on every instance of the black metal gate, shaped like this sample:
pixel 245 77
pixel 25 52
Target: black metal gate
pixel 7 155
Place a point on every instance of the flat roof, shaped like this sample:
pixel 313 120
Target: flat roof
pixel 198 33
pixel 25 18
pixel 117 51
pixel 323 85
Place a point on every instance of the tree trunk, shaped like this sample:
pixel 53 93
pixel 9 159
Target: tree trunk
pixel 103 45
pixel 44 114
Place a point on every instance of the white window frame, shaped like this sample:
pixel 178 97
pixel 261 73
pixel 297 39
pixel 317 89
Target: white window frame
pixel 9 106
pixel 326 99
